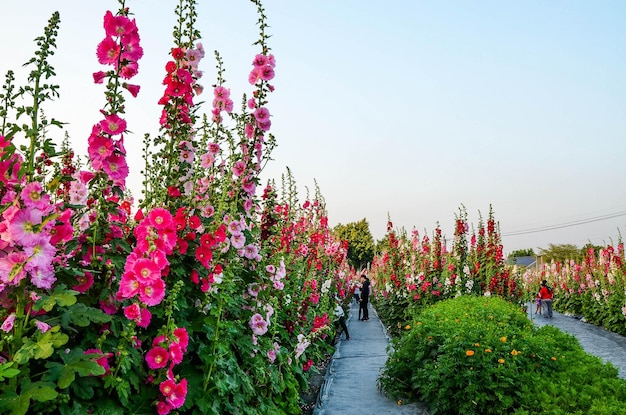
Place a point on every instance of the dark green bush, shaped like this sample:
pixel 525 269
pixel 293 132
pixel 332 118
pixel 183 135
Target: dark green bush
pixel 478 355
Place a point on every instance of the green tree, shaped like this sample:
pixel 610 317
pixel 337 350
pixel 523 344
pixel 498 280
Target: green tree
pixel 560 253
pixel 360 242
pixel 522 252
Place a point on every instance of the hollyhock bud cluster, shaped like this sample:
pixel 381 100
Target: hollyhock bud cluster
pixel 120 49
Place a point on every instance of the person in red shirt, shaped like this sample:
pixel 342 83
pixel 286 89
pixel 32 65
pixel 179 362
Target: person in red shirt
pixel 545 294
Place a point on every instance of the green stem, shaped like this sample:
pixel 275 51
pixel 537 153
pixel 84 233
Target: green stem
pixel 207 378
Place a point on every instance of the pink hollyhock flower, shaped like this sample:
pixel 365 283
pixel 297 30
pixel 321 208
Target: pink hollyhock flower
pixel 206 160
pixel 43 277
pixel 12 268
pixel 260 61
pixel 157 358
pixel 254 76
pixel 264 125
pixel 182 337
pixel 108 306
pixel 78 193
pixel 258 325
pixel 267 73
pixel 113 124
pixel 249 130
pixel 213 148
pixel 250 251
pixel 21 226
pixel 8 323
pixel 221 93
pixel 175 394
pixel 160 218
pixel 239 168
pixel 84 282
pixel 153 293
pixel 40 253
pixel 271 355
pixel 115 166
pixel 32 197
pixel 44 327
pixel 108 51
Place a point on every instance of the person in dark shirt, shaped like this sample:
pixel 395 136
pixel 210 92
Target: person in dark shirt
pixel 365 295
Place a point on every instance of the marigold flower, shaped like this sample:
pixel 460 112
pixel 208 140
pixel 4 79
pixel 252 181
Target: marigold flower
pixel 469 353
pixel 408 327
pixel 503 339
pixel 487 350
pixel 553 358
pixel 514 352
pixel 501 361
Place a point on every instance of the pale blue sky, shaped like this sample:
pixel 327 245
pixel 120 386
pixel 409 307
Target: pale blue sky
pixel 399 108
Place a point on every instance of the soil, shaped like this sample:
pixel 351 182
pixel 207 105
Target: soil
pixel 308 397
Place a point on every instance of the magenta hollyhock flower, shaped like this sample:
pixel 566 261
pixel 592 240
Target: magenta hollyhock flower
pixel 98 77
pixel 99 147
pixel 108 51
pixel 260 61
pixel 144 318
pixel 160 218
pixel 7 324
pixel 163 408
pixel 44 327
pixel 133 89
pixel 261 114
pixel 115 166
pixel 182 337
pixel 129 70
pixel 84 282
pixel 176 353
pixel 146 271
pixel 117 25
pixel 254 76
pixel 152 294
pixel 157 358
pixel 132 50
pixel 132 312
pixel 306 366
pixel 129 285
pixel 204 255
pixel 175 394
pixel 113 124
pixel 258 324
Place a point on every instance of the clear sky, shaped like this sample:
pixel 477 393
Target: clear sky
pixel 402 109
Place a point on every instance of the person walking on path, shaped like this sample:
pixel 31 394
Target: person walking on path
pixel 365 296
pixel 340 318
pixel 545 293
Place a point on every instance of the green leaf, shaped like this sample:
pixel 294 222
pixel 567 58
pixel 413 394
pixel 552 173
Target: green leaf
pixel 61 296
pixel 82 315
pixel 40 391
pixel 7 372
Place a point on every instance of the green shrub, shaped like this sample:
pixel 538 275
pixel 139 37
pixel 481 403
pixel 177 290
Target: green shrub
pixel 478 355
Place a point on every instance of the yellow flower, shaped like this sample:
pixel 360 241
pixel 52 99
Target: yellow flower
pixel 477 344
pixel 469 353
pixel 501 361
pixel 553 358
pixel 400 402
pixel 515 352
pixel 487 350
pixel 419 323
pixel 408 327
pixel 503 339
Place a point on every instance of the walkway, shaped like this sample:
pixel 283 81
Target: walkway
pixel 350 382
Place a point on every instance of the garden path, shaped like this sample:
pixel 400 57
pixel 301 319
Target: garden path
pixel 350 383
pixel 608 346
